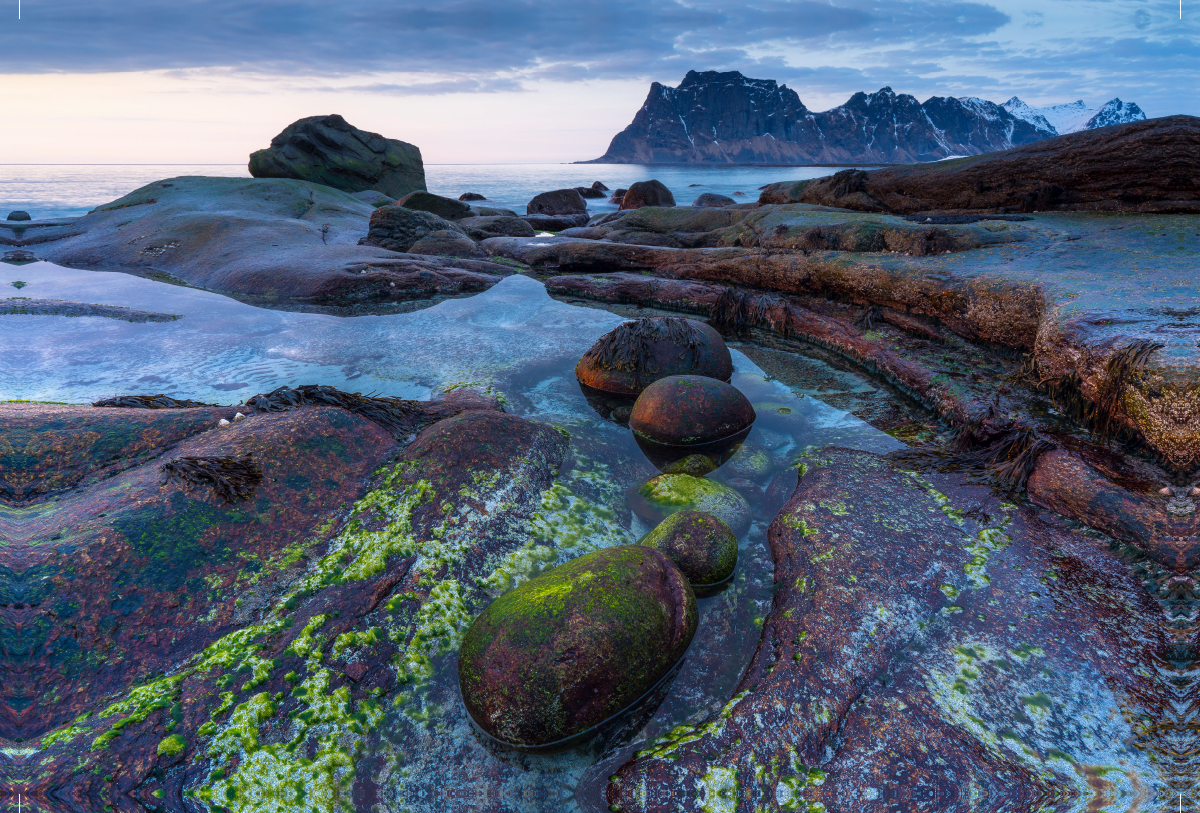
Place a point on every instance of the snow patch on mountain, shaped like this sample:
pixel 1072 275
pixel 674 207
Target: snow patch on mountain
pixel 1075 116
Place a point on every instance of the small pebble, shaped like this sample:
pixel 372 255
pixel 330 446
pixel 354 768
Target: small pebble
pixel 222 422
pixel 392 284
pixel 239 417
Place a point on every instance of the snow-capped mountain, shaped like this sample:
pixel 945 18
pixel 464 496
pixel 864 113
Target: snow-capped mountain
pixel 715 117
pixel 1075 116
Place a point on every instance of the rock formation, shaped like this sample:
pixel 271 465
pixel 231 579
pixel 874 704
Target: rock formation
pixel 328 150
pixel 715 117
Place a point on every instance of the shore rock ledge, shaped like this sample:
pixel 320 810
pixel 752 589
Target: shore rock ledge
pixel 330 151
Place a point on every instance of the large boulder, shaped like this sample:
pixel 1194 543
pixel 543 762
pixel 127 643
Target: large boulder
pixel 558 202
pixel 630 357
pixel 19 215
pixel 481 228
pixel 570 649
pixel 330 151
pixel 423 201
pixel 647 193
pixel 446 243
pixel 397 227
pixel 684 410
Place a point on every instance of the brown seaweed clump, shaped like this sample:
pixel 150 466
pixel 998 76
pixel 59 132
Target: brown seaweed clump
pixel 149 402
pixel 399 416
pixel 231 478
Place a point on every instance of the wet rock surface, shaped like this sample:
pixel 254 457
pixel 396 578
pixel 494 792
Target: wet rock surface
pixel 685 410
pixel 927 638
pixel 647 193
pixel 328 150
pixel 666 494
pixel 275 242
pixel 566 651
pixel 556 203
pixel 700 544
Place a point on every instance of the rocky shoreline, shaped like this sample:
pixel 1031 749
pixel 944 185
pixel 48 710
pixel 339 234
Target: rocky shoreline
pixel 211 607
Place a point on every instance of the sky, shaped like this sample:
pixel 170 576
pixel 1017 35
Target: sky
pixel 506 81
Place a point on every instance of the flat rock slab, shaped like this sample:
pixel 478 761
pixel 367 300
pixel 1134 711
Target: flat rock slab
pixel 277 240
pixel 23 306
pixel 932 648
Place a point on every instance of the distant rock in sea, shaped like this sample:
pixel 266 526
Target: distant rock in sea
pixel 715 117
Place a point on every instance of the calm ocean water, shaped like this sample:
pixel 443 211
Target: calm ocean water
pixel 70 190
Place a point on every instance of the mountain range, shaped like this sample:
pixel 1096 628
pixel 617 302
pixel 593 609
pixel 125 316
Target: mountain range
pixel 725 117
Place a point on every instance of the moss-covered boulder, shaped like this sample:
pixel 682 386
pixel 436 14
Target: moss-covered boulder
pixel 686 410
pixel 751 461
pixel 635 354
pixel 702 545
pixel 666 494
pixel 564 652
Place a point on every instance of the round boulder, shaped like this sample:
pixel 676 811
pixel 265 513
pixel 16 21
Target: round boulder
pixel 559 655
pixel 751 461
pixel 558 202
pixel 712 199
pixel 686 410
pixel 446 243
pixel 635 354
pixel 702 545
pixel 19 215
pixel 647 193
pixel 666 494
pixel 471 196
pixel 447 208
pixel 396 228
pixel 618 196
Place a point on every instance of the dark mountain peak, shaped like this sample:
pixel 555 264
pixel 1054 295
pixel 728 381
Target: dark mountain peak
pixel 727 117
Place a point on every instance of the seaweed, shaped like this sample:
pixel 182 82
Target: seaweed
pixel 1013 457
pixel 737 310
pixel 231 478
pixel 628 346
pixel 1120 369
pixel 868 318
pixel 397 415
pixel 149 402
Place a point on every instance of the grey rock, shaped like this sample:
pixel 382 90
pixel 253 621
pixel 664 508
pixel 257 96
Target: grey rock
pixel 558 202
pixel 423 201
pixel 19 215
pixel 556 223
pixel 471 196
pixel 372 197
pixel 589 192
pixel 397 228
pixel 647 193
pixel 481 228
pixel 491 211
pixel 446 243
pixel 713 199
pixel 330 151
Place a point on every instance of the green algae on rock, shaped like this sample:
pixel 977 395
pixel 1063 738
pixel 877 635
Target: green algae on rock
pixel 666 494
pixel 629 358
pixel 567 651
pixel 683 410
pixel 700 544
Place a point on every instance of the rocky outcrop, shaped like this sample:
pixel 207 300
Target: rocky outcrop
pixel 282 242
pixel 330 151
pixel 1144 166
pixel 729 118
pixel 446 243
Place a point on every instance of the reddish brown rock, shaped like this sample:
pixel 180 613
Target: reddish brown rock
pixel 566 651
pixel 700 544
pixel 685 410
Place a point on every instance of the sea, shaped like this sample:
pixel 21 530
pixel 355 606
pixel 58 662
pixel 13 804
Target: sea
pixel 48 191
